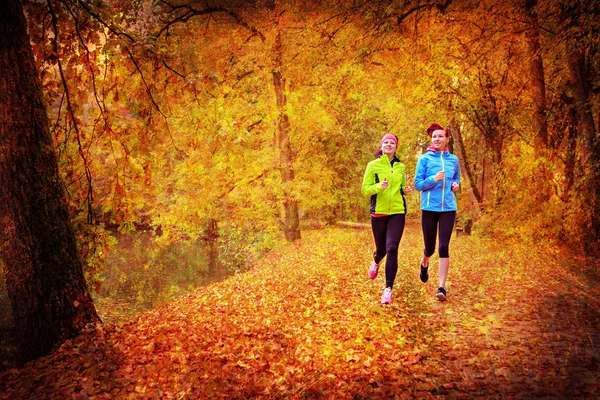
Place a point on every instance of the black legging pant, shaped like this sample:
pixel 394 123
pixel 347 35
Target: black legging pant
pixel 387 232
pixel 430 221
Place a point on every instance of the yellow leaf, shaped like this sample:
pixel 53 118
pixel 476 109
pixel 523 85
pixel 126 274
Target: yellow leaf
pixel 150 347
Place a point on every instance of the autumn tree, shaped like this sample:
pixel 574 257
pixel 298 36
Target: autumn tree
pixel 43 270
pixel 580 35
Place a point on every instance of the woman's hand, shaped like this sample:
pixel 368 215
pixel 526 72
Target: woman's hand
pixel 439 176
pixel 407 189
pixel 384 184
pixel 455 187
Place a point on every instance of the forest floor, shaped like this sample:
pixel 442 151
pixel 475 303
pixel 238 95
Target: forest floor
pixel 306 322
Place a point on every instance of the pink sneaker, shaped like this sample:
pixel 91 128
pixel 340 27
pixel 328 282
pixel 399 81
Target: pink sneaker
pixel 386 298
pixel 373 270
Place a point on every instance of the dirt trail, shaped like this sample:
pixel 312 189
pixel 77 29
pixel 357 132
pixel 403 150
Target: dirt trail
pixel 306 322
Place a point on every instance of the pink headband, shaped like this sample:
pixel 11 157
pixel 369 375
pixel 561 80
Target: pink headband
pixel 388 137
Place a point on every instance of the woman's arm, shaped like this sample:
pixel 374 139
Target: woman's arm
pixel 456 177
pixel 422 182
pixel 369 186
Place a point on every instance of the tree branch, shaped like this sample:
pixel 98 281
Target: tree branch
pixel 190 12
pixel 101 21
pixel 148 91
pixel 441 7
pixel 172 70
pixel 88 174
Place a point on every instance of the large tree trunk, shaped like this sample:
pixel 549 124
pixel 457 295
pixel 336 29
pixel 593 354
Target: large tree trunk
pixel 574 16
pixel 291 223
pixel 589 145
pixel 43 271
pixel 580 81
pixel 581 84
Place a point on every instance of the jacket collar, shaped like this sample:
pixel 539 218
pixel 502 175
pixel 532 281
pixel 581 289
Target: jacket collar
pixel 394 159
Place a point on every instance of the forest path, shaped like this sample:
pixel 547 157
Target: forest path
pixel 306 322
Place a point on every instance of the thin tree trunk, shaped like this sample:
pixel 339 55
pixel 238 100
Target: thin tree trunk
pixel 455 129
pixel 44 275
pixel 581 88
pixel 580 84
pixel 538 96
pixel 212 238
pixel 569 127
pixel 483 172
pixel 291 220
pixel 537 79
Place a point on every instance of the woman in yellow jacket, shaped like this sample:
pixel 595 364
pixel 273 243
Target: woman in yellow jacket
pixel 385 182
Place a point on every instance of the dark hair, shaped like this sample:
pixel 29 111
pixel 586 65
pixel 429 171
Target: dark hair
pixel 378 152
pixel 436 127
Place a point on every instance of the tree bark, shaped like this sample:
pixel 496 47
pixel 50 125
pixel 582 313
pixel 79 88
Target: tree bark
pixel 538 95
pixel 291 222
pixel 580 81
pixel 580 84
pixel 569 128
pixel 574 17
pixel 455 130
pixel 589 145
pixel 44 274
pixel 487 121
pixel 212 237
pixel 537 79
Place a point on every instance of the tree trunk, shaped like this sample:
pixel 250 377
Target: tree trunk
pixel 580 81
pixel 581 85
pixel 569 128
pixel 44 275
pixel 578 47
pixel 211 238
pixel 494 170
pixel 538 95
pixel 291 223
pixel 537 79
pixel 455 130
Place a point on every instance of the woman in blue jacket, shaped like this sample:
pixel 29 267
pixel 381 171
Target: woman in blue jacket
pixel 437 178
pixel 385 182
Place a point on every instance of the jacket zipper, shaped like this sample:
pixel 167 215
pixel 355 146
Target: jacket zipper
pixel 390 191
pixel 444 179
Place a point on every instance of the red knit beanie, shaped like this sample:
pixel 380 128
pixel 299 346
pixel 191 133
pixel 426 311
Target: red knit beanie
pixel 389 136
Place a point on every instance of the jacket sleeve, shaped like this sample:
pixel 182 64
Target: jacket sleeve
pixel 369 187
pixel 422 182
pixel 403 183
pixel 456 177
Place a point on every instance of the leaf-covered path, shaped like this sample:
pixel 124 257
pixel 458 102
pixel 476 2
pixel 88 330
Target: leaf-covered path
pixel 306 322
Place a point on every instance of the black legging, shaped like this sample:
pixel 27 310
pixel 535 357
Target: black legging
pixel 430 221
pixel 387 232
